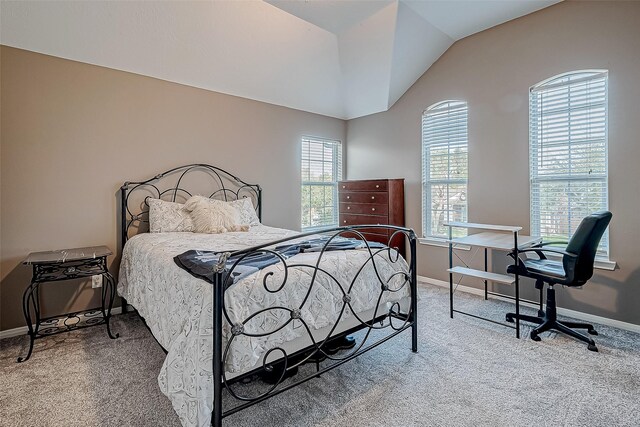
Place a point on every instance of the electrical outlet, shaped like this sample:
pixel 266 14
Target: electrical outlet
pixel 96 281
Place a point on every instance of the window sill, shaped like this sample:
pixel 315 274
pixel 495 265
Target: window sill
pixel 605 264
pixel 600 263
pixel 440 243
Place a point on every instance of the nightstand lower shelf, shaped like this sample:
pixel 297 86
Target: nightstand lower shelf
pixel 70 322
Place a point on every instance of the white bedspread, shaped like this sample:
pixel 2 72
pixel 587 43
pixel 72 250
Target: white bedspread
pixel 178 307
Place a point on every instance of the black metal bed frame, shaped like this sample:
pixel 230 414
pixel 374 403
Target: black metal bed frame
pixel 276 359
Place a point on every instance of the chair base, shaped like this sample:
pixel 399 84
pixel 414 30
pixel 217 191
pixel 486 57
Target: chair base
pixel 549 321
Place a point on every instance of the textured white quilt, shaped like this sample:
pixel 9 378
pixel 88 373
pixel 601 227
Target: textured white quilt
pixel 178 307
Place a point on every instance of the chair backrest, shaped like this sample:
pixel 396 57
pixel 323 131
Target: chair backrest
pixel 584 243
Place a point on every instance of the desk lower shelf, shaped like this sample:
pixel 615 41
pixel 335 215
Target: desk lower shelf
pixel 485 275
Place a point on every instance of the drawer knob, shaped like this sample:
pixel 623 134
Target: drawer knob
pixel 373 197
pixel 348 197
pixel 345 221
pixel 344 186
pixel 377 186
pixel 348 207
pixel 373 209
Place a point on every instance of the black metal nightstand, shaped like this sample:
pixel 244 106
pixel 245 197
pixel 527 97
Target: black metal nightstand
pixel 66 264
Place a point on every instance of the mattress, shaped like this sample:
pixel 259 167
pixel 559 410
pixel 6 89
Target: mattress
pixel 177 307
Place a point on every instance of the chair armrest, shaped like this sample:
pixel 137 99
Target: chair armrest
pixel 555 242
pixel 555 251
pixel 541 244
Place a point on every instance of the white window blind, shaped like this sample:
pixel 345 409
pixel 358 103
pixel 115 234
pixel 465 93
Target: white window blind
pixel 568 153
pixel 444 167
pixel 321 171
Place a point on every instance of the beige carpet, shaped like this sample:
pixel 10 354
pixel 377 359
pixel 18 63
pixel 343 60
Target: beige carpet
pixel 467 373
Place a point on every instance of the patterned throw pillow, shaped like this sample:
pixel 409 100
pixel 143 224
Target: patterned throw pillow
pixel 166 217
pixel 213 216
pixel 247 211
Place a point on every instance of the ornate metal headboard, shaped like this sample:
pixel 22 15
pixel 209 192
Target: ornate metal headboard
pixel 177 185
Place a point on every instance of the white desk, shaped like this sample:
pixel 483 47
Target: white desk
pixel 499 241
pixel 500 237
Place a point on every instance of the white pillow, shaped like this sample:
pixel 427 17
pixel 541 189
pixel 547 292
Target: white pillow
pixel 213 216
pixel 165 217
pixel 247 211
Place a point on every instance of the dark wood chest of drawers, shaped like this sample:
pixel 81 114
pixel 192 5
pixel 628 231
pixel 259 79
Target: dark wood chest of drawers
pixel 373 202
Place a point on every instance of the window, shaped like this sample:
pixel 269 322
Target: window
pixel 321 171
pixel 444 167
pixel 568 153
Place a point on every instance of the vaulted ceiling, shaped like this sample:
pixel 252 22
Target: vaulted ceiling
pixel 340 58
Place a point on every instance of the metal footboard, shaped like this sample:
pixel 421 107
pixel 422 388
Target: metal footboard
pixel 387 320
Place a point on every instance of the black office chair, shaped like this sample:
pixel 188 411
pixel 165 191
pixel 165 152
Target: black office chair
pixel 575 269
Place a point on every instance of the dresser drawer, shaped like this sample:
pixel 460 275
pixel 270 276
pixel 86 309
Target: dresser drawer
pixel 349 219
pixel 373 185
pixel 364 208
pixel 356 197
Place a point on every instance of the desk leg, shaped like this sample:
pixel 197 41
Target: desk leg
pixel 517 307
pixel 451 295
pixel 31 298
pixel 108 295
pixel 517 277
pixel 486 294
pixel 450 275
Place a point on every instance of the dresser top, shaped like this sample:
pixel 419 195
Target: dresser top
pixel 372 180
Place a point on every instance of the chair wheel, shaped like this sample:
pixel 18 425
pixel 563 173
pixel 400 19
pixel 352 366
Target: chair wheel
pixel 592 332
pixel 592 347
pixel 508 318
pixel 534 336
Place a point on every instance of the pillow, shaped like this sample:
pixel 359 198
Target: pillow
pixel 213 216
pixel 165 217
pixel 247 211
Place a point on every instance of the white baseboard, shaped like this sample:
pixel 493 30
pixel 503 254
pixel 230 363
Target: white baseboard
pixel 22 330
pixel 562 311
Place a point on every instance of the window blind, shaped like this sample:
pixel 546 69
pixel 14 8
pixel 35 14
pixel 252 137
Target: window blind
pixel 321 170
pixel 444 167
pixel 568 153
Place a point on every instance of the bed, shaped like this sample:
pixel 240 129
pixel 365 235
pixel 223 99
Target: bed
pixel 217 333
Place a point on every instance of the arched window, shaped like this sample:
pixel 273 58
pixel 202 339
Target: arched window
pixel 568 153
pixel 444 167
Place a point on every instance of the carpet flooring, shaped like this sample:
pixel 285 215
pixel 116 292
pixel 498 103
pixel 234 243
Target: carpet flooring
pixel 466 373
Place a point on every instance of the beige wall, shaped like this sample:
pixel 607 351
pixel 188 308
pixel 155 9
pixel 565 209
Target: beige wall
pixel 492 71
pixel 72 133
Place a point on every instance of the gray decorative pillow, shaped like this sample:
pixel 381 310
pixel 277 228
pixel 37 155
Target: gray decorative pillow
pixel 166 217
pixel 247 211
